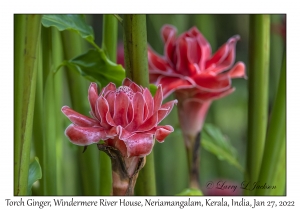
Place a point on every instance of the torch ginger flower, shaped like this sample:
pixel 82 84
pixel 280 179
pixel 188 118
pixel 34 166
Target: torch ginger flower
pixel 195 75
pixel 127 119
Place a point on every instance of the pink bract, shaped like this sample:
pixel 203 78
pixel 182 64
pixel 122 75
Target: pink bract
pixel 197 77
pixel 126 118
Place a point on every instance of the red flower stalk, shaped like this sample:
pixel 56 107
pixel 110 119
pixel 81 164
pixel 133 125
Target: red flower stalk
pixel 195 75
pixel 127 119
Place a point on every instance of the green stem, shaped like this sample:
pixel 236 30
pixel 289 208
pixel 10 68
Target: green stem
pixel 275 136
pixel 146 183
pixel 19 46
pixel 105 177
pixel 193 157
pixel 89 166
pixel 109 45
pixel 279 179
pixel 78 86
pixel 72 46
pixel 31 39
pixel 110 37
pixel 136 63
pixel 57 57
pixel 37 131
pixel 258 93
pixel 276 50
pixel 135 49
pixel 49 166
pixel 49 140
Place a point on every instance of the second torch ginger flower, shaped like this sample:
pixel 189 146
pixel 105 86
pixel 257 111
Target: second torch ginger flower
pixel 197 77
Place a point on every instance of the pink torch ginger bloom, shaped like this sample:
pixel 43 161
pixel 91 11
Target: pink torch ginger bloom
pixel 197 77
pixel 126 118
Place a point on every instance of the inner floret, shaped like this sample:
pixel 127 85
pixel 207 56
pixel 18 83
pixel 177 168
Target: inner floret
pixel 127 90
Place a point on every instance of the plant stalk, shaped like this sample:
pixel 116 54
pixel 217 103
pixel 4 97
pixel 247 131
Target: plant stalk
pixel 110 36
pixel 279 177
pixel 109 45
pixel 275 136
pixel 38 131
pixel 259 54
pixel 78 86
pixel 124 170
pixel 30 53
pixel 135 49
pixel 57 58
pixel 193 157
pixel 49 141
pixel 19 47
pixel 136 65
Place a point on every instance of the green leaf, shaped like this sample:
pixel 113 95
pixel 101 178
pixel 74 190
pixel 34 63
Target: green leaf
pixel 74 23
pixel 35 173
pixel 213 141
pixel 96 67
pixel 190 191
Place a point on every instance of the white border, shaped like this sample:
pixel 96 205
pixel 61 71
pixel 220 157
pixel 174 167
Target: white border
pixel 182 7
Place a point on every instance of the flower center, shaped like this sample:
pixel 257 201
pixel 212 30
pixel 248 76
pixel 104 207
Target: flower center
pixel 126 90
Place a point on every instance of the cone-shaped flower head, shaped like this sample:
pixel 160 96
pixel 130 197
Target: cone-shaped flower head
pixel 126 118
pixel 197 77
